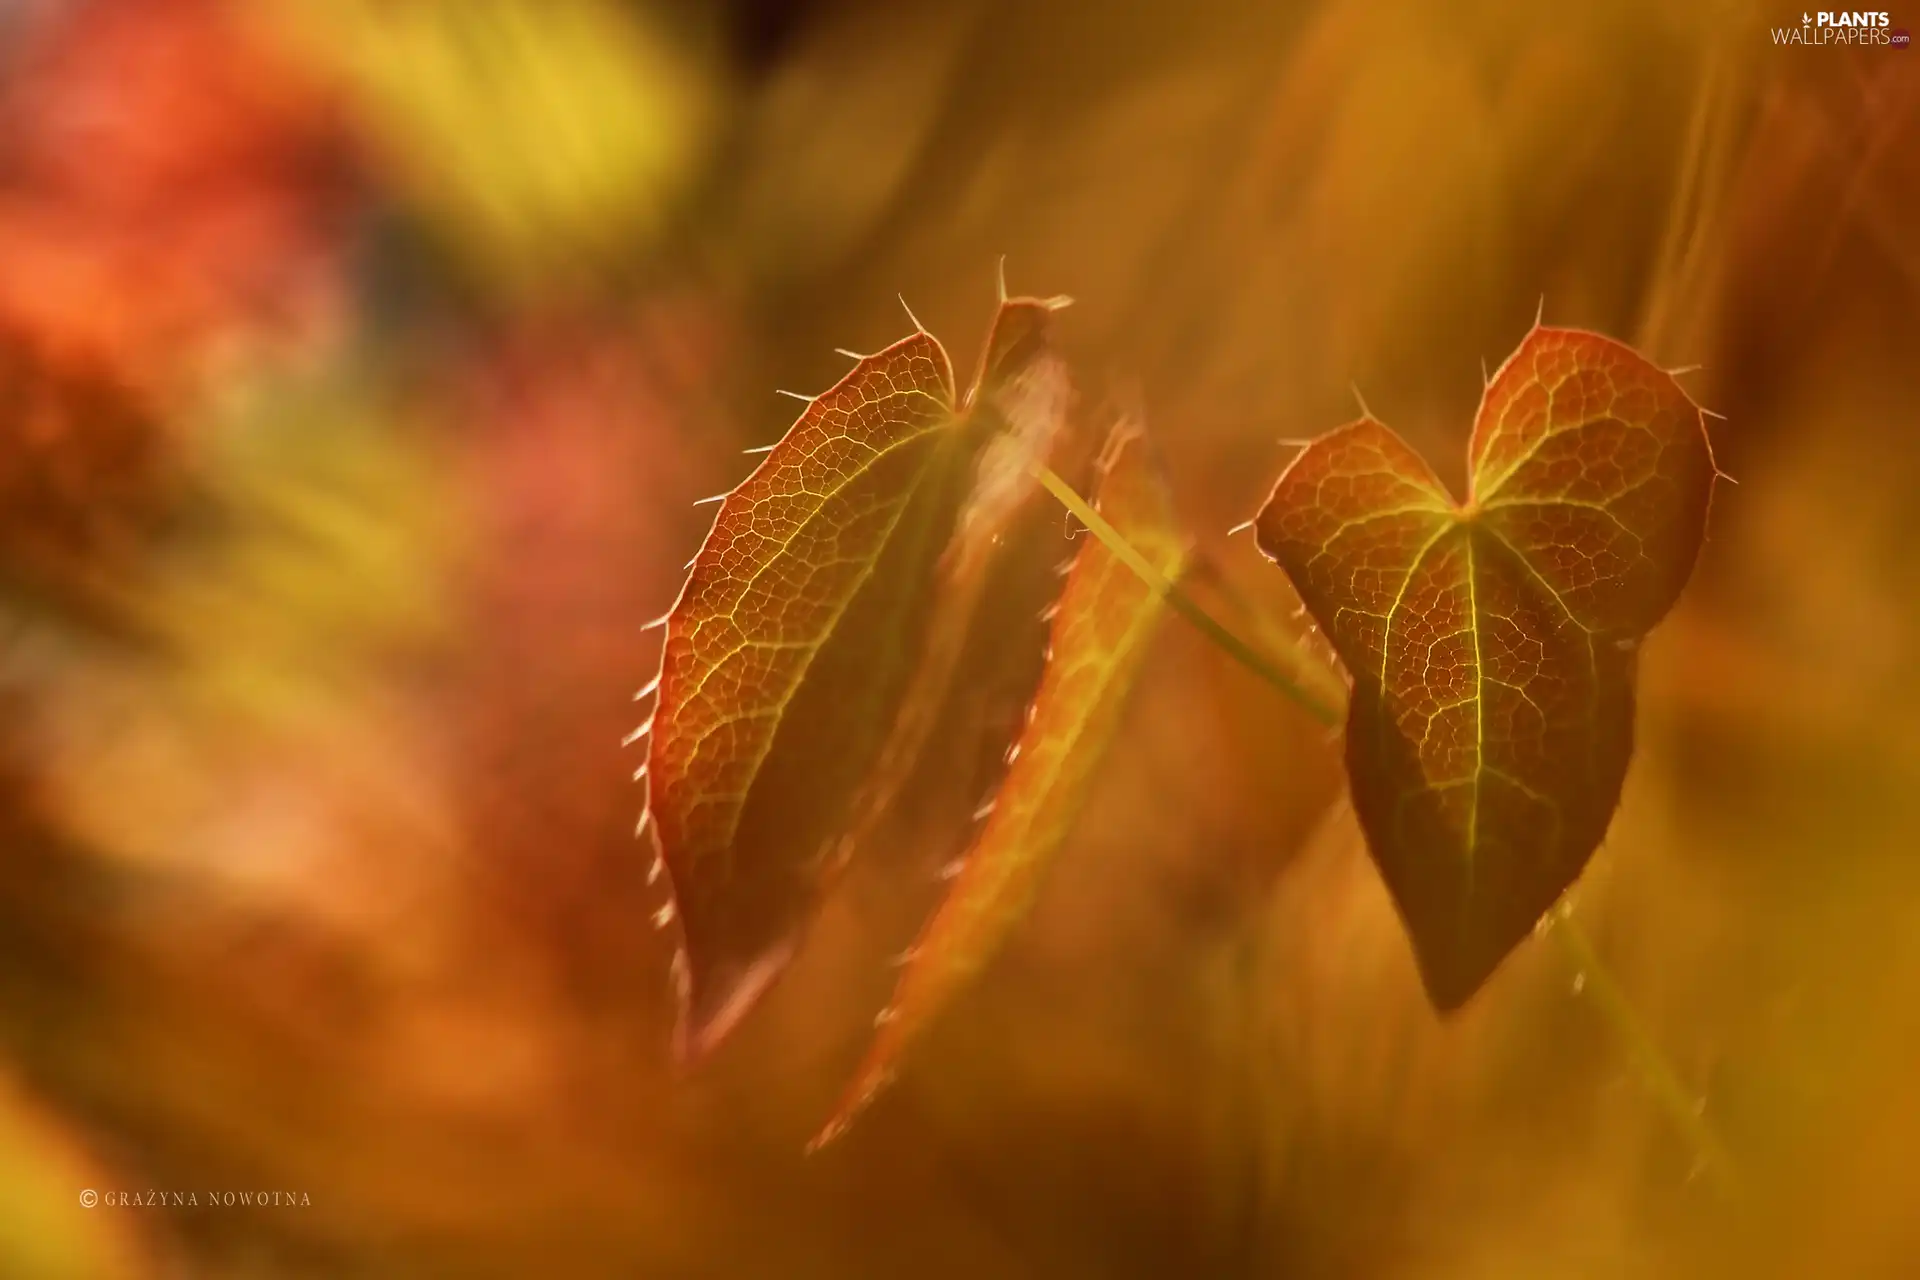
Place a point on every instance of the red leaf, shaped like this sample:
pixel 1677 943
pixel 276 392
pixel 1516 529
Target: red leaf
pixel 1491 644
pixel 813 640
pixel 1105 619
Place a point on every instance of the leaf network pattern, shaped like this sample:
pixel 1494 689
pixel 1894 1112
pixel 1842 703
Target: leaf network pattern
pixel 1491 644
pixel 794 689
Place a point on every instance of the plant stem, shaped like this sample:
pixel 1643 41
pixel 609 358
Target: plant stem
pixel 1309 670
pixel 1236 648
pixel 1657 1074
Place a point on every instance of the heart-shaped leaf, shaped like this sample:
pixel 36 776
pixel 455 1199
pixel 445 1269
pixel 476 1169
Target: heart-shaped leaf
pixel 1491 645
pixel 810 634
pixel 1103 621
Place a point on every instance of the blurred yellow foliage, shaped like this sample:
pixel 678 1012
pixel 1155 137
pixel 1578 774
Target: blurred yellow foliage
pixel 49 1230
pixel 539 136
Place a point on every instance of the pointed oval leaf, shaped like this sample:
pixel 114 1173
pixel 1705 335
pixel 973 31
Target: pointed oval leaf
pixel 788 557
pixel 1104 619
pixel 817 633
pixel 1491 644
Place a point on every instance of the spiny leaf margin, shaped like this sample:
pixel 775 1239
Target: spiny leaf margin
pixel 1491 644
pixel 741 635
pixel 1106 615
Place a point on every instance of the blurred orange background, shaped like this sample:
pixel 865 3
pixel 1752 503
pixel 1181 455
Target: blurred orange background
pixel 360 363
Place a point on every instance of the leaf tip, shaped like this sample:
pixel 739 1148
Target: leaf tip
pixel 869 1083
pixel 710 1008
pixel 917 326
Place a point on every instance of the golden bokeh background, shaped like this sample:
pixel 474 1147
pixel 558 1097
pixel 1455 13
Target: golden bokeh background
pixel 360 363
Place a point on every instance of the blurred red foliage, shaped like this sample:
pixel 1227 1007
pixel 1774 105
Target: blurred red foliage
pixel 170 192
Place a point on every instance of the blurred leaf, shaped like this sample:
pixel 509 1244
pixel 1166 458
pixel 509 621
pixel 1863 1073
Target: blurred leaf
pixel 317 568
pixel 172 200
pixel 1105 618
pixel 172 146
pixel 84 471
pixel 540 136
pixel 50 1230
pixel 1492 645
pixel 335 526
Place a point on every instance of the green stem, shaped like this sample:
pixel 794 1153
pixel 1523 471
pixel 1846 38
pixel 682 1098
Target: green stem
pixel 1183 604
pixel 1309 670
pixel 1657 1074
